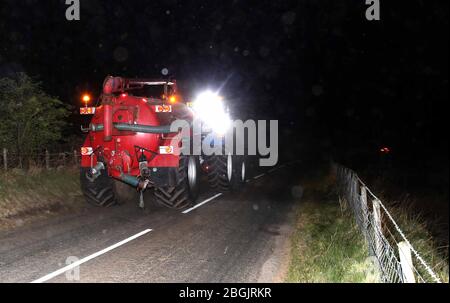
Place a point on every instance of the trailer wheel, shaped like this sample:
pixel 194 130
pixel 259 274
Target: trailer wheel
pixel 186 191
pixel 100 192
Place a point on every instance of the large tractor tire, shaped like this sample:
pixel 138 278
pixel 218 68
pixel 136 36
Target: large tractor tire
pixel 100 192
pixel 220 172
pixel 226 172
pixel 186 190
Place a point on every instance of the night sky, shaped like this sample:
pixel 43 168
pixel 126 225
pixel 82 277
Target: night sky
pixel 337 82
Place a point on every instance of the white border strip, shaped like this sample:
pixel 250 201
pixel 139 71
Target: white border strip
pixel 79 262
pixel 201 203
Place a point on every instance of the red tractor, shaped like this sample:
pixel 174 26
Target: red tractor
pixel 130 145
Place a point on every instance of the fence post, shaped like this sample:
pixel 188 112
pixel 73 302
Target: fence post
pixel 404 251
pixel 63 155
pixel 47 160
pixel 364 214
pixel 75 157
pixel 364 201
pixel 377 226
pixel 5 159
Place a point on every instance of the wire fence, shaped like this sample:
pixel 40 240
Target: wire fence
pixel 396 259
pixel 45 160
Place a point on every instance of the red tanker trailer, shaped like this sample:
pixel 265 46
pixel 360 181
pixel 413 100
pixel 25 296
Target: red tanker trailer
pixel 130 146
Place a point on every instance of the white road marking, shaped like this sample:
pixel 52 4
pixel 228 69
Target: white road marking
pixel 81 261
pixel 258 176
pixel 201 203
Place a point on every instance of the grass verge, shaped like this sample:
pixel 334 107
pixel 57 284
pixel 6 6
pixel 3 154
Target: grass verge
pixel 24 193
pixel 328 247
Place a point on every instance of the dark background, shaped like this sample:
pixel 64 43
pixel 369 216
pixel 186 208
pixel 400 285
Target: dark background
pixel 340 86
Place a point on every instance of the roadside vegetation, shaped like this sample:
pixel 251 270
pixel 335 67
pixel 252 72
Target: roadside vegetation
pixel 420 208
pixel 32 122
pixel 417 230
pixel 35 192
pixel 327 246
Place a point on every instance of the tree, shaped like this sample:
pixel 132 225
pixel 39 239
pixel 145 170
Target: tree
pixel 30 119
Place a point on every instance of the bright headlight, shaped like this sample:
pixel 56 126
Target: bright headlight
pixel 209 107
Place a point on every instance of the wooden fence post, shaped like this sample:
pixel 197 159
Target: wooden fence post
pixel 47 160
pixel 364 200
pixel 404 251
pixel 63 155
pixel 377 226
pixel 5 159
pixel 364 211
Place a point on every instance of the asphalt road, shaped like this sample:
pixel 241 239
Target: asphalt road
pixel 236 237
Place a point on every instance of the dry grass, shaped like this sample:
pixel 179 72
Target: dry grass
pixel 416 229
pixel 326 246
pixel 36 190
pixel 424 220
